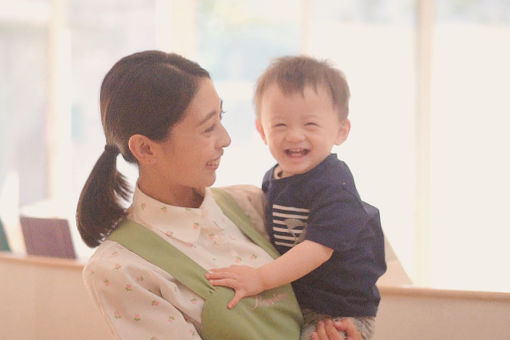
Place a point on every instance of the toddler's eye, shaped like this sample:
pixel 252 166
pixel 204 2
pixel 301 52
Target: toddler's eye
pixel 279 125
pixel 312 124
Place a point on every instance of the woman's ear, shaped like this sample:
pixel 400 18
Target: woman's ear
pixel 142 148
pixel 260 129
pixel 343 131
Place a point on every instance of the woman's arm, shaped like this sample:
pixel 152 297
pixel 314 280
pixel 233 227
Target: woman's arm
pixel 138 301
pixel 294 264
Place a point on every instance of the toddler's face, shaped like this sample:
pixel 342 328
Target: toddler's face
pixel 300 130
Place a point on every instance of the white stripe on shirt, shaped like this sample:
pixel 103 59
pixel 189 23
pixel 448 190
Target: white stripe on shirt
pixel 281 207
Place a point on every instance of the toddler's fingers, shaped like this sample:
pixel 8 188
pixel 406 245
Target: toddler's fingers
pixel 219 269
pixel 230 283
pixel 239 294
pixel 214 275
pixel 219 275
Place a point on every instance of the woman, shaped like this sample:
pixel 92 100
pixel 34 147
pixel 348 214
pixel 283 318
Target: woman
pixel 161 112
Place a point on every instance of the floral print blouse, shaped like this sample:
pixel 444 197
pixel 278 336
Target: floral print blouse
pixel 141 301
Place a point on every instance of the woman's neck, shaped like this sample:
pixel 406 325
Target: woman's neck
pixel 179 196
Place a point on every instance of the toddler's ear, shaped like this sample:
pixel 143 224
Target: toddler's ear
pixel 343 131
pixel 260 129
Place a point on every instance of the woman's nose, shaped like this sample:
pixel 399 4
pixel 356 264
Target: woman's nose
pixel 224 139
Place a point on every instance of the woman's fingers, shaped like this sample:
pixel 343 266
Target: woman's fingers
pixel 331 331
pixel 346 325
pixel 326 331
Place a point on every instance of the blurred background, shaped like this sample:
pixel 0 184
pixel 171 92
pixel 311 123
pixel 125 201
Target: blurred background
pixel 430 80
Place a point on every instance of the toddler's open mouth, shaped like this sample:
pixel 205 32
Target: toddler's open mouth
pixel 296 152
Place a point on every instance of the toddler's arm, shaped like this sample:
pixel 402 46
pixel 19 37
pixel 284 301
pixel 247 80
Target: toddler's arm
pixel 294 264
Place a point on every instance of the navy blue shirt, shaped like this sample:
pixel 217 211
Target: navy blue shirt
pixel 324 206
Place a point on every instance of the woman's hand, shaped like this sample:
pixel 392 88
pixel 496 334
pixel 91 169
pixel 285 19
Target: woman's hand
pixel 329 330
pixel 245 280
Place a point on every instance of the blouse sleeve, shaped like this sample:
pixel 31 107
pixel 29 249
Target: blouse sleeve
pixel 137 300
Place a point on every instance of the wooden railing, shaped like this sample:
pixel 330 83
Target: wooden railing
pixel 44 298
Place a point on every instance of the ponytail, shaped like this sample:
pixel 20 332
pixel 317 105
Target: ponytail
pixel 100 204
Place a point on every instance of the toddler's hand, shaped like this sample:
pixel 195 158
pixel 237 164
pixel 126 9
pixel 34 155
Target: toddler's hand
pixel 245 280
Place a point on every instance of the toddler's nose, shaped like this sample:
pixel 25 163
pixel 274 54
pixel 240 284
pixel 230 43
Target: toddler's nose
pixel 295 135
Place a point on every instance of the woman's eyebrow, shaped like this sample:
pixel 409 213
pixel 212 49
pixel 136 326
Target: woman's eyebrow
pixel 209 116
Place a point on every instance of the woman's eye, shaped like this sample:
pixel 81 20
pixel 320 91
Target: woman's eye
pixel 210 129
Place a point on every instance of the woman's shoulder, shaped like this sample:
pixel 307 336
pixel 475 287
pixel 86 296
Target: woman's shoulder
pixel 245 192
pixel 111 257
pixel 251 199
pixel 108 255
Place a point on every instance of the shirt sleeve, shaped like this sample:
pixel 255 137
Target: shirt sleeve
pixel 138 302
pixel 337 218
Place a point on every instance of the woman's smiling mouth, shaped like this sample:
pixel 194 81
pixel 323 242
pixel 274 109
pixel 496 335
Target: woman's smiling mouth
pixel 214 164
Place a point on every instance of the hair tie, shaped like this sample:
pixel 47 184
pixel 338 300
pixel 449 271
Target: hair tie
pixel 111 148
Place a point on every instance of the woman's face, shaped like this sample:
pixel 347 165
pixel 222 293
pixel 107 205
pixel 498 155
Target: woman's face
pixel 190 155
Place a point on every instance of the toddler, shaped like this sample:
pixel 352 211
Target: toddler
pixel 331 241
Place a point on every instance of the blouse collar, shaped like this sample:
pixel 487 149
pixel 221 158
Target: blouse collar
pixel 181 223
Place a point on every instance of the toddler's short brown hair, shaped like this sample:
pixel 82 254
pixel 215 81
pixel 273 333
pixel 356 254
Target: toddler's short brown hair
pixel 293 73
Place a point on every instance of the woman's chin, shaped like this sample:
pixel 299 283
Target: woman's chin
pixel 210 181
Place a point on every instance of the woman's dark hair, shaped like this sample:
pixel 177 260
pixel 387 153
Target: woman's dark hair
pixel 144 93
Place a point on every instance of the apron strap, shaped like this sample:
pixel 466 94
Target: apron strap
pixel 150 246
pixel 234 212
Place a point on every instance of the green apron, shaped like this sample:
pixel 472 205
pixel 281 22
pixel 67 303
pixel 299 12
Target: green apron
pixel 273 314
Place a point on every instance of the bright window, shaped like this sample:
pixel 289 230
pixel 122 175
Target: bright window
pixel 426 108
pixel 373 43
pixel 236 41
pixel 23 97
pixel 470 151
